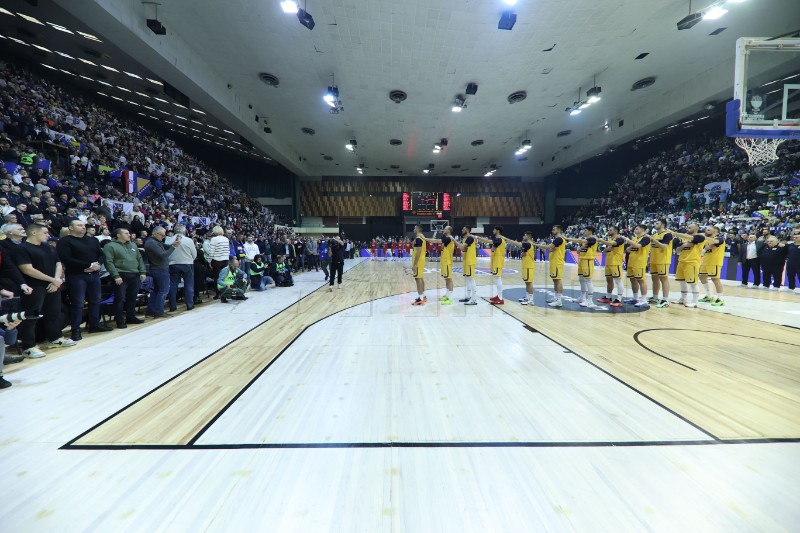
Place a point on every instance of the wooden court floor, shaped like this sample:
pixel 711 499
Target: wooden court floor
pixel 734 378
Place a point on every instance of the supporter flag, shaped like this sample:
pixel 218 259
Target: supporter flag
pixel 44 164
pixel 129 181
pixel 143 187
pixel 764 213
pixel 104 168
pixel 718 186
pixel 795 179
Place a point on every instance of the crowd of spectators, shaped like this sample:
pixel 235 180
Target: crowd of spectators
pixel 73 231
pixel 672 185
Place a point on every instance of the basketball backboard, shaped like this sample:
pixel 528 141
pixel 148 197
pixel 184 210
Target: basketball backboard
pixel 766 90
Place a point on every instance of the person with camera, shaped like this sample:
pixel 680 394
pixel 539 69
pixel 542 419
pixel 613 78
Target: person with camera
pixel 337 250
pixel 7 327
pixel 324 256
pixel 10 277
pixel 181 266
pixel 126 266
pixel 232 282
pixel 42 270
pixel 158 255
pixel 82 258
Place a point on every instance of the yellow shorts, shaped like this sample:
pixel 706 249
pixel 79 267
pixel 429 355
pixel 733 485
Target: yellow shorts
pixel 687 272
pixel 585 268
pixel 556 270
pixel 613 271
pixel 527 275
pixel 497 270
pixel 418 271
pixel 468 271
pixel 635 272
pixel 659 269
pixel 447 270
pixel 712 271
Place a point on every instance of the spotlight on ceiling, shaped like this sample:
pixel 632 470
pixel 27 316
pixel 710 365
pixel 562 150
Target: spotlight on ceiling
pixel 574 111
pixel 689 21
pixel 511 3
pixel 524 146
pixel 305 19
pixel 593 95
pixel 331 97
pixel 351 146
pixel 360 168
pixel 714 12
pixel 439 146
pixel 507 20
pixel 289 6
pixel 472 88
pixel 459 103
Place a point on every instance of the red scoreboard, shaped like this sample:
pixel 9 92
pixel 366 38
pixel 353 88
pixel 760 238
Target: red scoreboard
pixel 432 204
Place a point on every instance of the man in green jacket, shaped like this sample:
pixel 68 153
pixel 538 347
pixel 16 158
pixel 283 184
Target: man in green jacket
pixel 126 266
pixel 232 282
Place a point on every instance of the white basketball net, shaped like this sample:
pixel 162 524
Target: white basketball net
pixel 760 151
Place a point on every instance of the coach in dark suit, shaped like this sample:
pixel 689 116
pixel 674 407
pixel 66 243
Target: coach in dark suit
pixel 749 257
pixel 773 262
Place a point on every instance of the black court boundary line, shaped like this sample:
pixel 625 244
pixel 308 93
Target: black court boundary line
pixel 398 445
pixel 361 445
pixel 661 405
pixel 185 370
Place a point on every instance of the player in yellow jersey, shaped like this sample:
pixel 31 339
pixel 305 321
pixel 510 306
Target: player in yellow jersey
pixel 418 265
pixel 660 260
pixel 558 252
pixel 638 252
pixel 498 243
pixel 689 245
pixel 615 253
pixel 528 265
pixel 588 254
pixel 446 263
pixel 711 265
pixel 470 259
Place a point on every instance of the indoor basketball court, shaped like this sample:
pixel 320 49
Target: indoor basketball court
pixel 374 405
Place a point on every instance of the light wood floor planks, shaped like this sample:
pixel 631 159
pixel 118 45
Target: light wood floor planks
pixel 731 386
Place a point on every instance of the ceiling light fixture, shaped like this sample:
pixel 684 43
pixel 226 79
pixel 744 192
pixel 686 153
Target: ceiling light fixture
pixel 87 61
pixel 331 97
pixel 6 11
pixel 713 12
pixel 289 6
pixel 62 54
pixel 153 23
pixel 31 19
pixel 88 36
pixel 305 17
pixel 60 28
pixel 507 20
pixel 459 103
pixel 524 146
pixel 351 146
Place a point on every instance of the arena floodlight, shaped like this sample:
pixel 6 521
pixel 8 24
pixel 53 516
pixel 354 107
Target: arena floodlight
pixel 351 146
pixel 289 6
pixel 507 20
pixel 593 95
pixel 305 19
pixel 714 12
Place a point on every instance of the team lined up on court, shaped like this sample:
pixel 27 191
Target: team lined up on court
pixel 700 259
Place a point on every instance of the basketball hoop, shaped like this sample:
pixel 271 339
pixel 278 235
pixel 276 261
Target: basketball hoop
pixel 760 152
pixel 437 226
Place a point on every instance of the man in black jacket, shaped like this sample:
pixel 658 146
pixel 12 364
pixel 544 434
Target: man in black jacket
pixel 773 262
pixel 749 253
pixel 10 277
pixel 82 258
pixel 793 261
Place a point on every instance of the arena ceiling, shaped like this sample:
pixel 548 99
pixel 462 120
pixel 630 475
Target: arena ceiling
pixel 214 51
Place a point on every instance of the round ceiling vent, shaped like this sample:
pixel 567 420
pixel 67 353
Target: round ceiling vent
pixel 397 96
pixel 477 142
pixel 270 79
pixel 643 83
pixel 308 131
pixel 518 96
pixel 395 142
pixel 563 133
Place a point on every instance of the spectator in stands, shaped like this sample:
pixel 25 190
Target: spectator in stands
pixel 773 263
pixel 158 254
pixel 82 259
pixel 218 252
pixel 126 267
pixel 42 270
pixel 181 267
pixel 312 253
pixel 749 257
pixel 232 282
pixel 250 252
pixel 793 261
pixel 289 254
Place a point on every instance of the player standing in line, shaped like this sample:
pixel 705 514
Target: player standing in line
pixel 558 253
pixel 470 255
pixel 689 246
pixel 615 250
pixel 638 252
pixel 373 249
pixel 498 243
pixel 588 253
pixel 528 266
pixel 711 266
pixel 446 263
pixel 660 259
pixel 418 265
